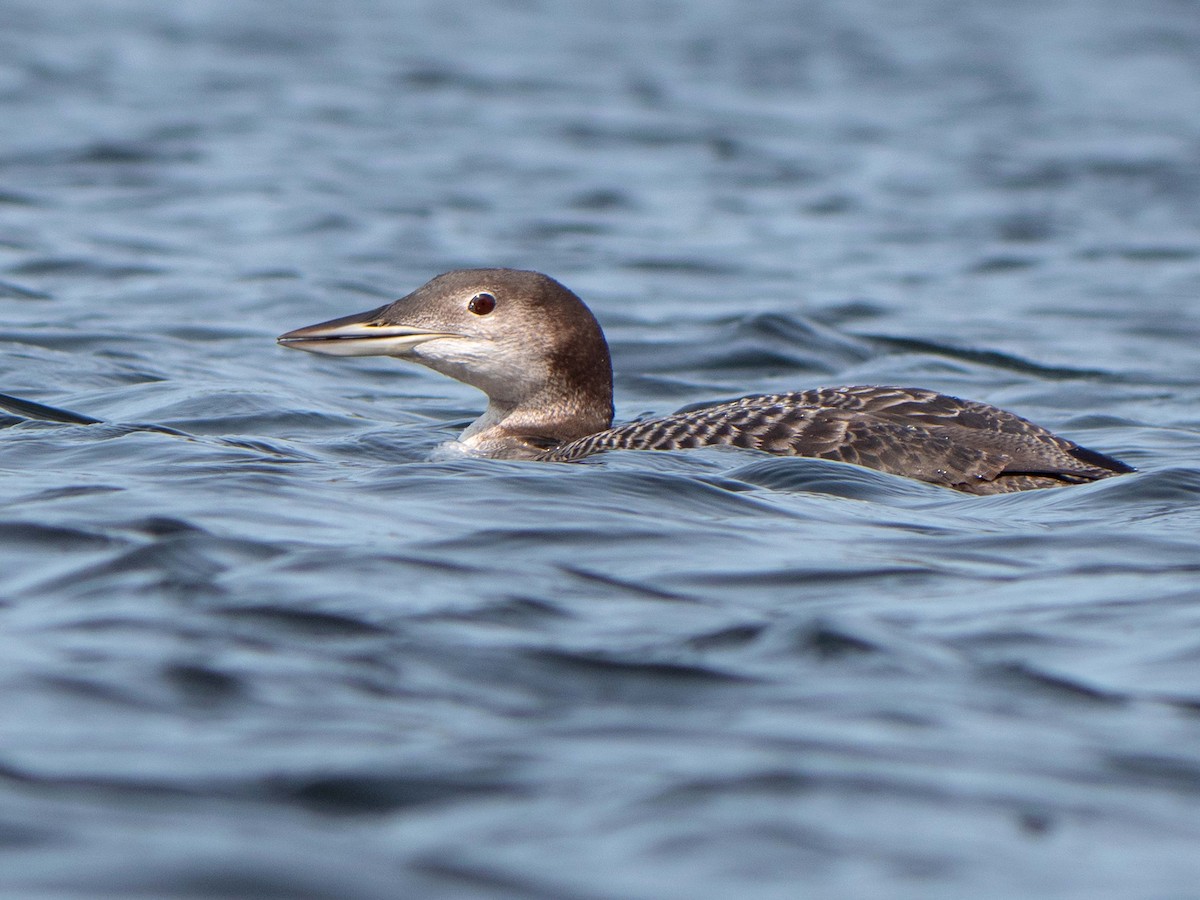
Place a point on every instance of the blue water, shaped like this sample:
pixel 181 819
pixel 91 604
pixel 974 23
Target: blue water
pixel 256 640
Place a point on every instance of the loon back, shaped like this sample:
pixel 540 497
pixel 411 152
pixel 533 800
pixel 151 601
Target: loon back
pixel 540 356
pixel 961 444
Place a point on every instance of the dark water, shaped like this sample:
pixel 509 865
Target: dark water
pixel 271 647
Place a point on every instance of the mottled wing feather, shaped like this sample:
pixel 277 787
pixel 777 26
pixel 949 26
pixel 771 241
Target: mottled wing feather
pixel 1030 448
pixel 913 451
pixel 905 431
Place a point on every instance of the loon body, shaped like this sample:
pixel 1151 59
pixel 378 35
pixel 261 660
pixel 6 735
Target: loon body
pixel 540 356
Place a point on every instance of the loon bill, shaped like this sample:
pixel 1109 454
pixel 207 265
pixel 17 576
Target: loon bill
pixel 538 353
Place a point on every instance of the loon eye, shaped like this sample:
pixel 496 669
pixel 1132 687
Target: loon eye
pixel 482 304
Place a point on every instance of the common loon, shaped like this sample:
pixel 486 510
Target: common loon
pixel 540 356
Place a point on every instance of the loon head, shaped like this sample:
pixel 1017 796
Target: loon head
pixel 520 337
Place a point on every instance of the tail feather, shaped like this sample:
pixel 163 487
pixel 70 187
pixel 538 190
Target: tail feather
pixel 1100 460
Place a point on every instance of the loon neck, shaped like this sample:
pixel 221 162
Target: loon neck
pixel 525 429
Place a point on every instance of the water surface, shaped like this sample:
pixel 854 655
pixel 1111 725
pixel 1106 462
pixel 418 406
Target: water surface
pixel 256 639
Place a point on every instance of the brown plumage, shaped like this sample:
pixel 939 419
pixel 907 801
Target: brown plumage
pixel 536 350
pixel 921 434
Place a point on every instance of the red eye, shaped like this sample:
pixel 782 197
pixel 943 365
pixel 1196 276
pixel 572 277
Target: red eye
pixel 482 304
